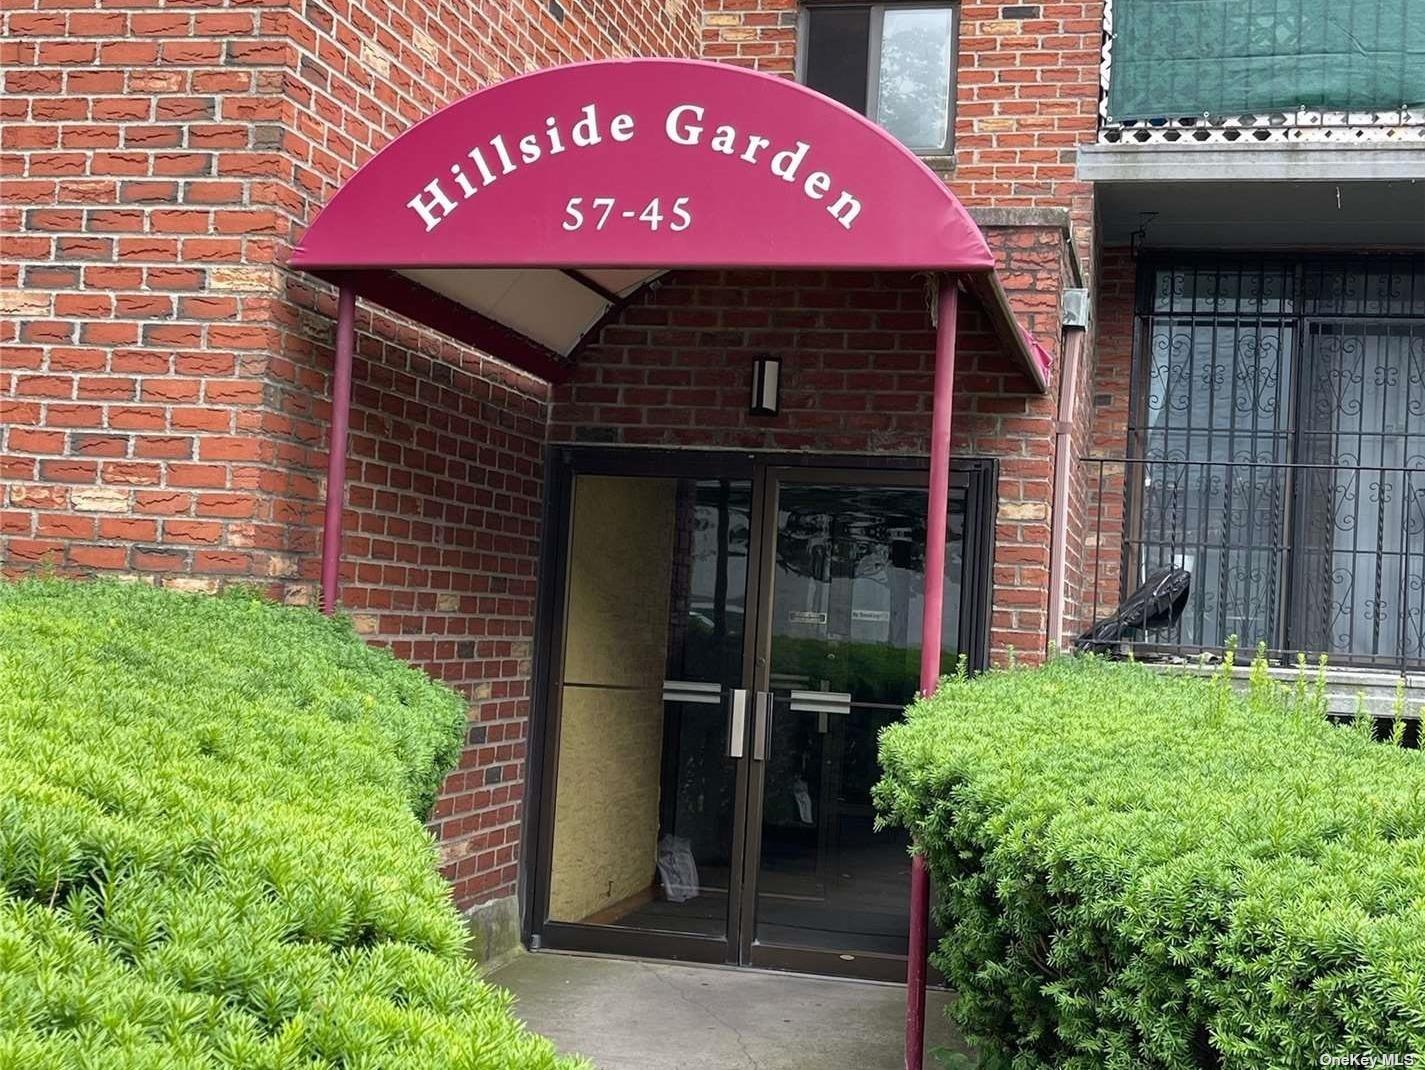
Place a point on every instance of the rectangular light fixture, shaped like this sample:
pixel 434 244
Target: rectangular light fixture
pixel 766 385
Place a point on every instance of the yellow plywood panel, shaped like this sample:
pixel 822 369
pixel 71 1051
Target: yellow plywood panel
pixel 620 572
pixel 611 707
pixel 606 821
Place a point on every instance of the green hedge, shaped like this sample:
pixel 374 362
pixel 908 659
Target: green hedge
pixel 211 847
pixel 1142 870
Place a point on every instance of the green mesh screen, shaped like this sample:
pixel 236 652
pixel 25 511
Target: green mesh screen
pixel 1174 58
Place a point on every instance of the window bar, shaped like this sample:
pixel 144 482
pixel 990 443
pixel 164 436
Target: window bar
pixel 1286 529
pixel 1098 542
pixel 1402 617
pixel 1204 482
pixel 1382 488
pixel 1132 495
pixel 1410 408
pixel 1356 525
pixel 1167 420
pixel 1229 555
pixel 1420 608
pixel 1225 559
pixel 1255 533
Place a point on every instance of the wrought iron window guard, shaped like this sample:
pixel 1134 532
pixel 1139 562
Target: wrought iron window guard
pixel 1306 558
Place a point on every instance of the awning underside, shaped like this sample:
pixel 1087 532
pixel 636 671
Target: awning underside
pixel 551 306
pixel 537 319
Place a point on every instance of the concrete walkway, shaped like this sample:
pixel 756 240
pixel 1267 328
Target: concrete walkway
pixel 628 1014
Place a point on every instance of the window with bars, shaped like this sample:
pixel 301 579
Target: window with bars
pixel 1276 451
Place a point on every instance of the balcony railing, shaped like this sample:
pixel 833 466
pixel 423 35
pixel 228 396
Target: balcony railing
pixel 1304 558
pixel 1399 125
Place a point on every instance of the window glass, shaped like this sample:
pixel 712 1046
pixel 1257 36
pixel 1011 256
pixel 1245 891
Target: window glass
pixel 837 53
pixel 913 93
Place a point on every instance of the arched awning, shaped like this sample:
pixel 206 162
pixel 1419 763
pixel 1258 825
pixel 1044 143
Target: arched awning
pixel 518 218
pixel 521 217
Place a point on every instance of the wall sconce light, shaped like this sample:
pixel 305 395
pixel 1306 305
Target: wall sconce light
pixel 766 385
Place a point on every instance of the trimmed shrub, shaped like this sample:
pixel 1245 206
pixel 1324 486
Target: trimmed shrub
pixel 211 848
pixel 1136 869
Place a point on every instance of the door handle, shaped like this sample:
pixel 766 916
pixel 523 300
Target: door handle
pixel 821 702
pixel 759 726
pixel 691 691
pixel 736 723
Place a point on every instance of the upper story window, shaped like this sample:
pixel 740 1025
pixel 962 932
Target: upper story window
pixel 892 62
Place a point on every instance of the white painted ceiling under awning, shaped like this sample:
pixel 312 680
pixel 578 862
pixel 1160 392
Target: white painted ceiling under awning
pixel 553 307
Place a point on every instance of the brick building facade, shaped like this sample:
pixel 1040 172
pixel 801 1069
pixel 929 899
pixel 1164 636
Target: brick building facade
pixel 165 375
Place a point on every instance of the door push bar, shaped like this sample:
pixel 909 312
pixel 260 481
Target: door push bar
pixel 710 694
pixel 821 702
pixel 691 691
pixel 736 723
pixel 759 726
pixel 694 691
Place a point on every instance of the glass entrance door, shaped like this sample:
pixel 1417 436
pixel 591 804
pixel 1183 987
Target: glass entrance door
pixel 730 637
pixel 838 660
pixel 651 706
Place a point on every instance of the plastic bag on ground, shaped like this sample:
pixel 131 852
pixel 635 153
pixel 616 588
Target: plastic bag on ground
pixel 677 869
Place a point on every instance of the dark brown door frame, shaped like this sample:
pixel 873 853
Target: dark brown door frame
pixel 766 470
pixel 967 476
pixel 563 464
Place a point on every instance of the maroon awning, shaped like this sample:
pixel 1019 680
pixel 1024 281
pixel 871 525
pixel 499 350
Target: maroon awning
pixel 517 218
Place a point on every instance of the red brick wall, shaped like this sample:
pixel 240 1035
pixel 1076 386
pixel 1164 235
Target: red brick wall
pixel 441 540
pixel 1027 90
pixel 163 378
pixel 1026 94
pixel 445 480
pixel 135 228
pixel 858 361
pixel 157 165
pixel 1109 429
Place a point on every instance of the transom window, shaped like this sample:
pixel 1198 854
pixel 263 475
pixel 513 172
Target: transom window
pixel 891 62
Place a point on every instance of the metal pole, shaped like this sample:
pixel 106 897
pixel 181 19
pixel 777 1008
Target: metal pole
pixel 1063 471
pixel 336 446
pixel 947 305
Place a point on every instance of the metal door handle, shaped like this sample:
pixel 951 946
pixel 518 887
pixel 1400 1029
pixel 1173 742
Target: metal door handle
pixel 821 702
pixel 759 726
pixel 736 723
pixel 691 691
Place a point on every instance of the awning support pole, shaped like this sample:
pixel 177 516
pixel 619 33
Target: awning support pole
pixel 336 446
pixel 947 307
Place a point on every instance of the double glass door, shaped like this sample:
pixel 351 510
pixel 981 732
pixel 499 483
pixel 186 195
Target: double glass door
pixel 727 643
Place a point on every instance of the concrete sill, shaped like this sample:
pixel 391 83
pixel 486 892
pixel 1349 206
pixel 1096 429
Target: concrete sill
pixel 1374 688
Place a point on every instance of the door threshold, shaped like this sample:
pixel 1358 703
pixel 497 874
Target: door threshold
pixel 765 970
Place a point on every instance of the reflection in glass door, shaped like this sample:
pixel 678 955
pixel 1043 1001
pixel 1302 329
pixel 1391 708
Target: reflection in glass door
pixel 727 646
pixel 841 642
pixel 650 699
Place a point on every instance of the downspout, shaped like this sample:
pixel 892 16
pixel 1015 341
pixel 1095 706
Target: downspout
pixel 1075 322
pixel 336 446
pixel 946 309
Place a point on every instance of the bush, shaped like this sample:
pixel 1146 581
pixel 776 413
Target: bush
pixel 1142 870
pixel 211 849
